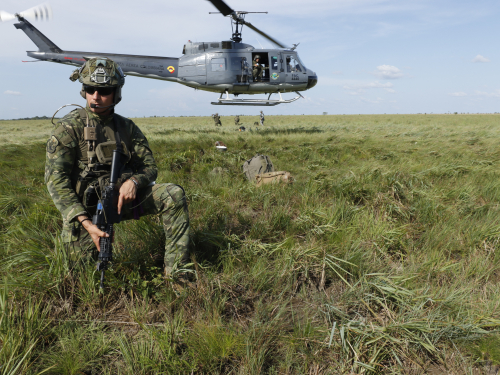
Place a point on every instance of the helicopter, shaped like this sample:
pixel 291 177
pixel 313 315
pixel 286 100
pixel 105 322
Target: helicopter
pixel 223 67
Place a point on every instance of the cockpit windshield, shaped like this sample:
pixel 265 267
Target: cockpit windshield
pixel 293 64
pixel 301 63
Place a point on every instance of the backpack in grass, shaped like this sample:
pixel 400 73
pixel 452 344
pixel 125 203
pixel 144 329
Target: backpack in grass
pixel 273 178
pixel 257 165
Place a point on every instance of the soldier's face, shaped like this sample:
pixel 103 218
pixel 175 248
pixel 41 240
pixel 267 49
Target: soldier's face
pixel 100 101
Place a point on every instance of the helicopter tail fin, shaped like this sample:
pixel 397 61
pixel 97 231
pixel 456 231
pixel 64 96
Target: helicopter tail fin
pixel 43 43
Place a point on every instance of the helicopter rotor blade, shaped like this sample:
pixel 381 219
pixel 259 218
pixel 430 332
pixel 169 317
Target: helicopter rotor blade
pixel 227 11
pixel 4 16
pixel 39 12
pixel 268 37
pixel 222 7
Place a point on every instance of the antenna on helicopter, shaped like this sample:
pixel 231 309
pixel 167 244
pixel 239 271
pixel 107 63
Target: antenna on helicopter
pixel 238 19
pixel 39 12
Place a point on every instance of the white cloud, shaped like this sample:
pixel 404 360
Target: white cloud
pixel 388 72
pixel 359 88
pixel 372 101
pixel 371 85
pixel 480 59
pixel 494 94
pixel 10 92
pixel 458 93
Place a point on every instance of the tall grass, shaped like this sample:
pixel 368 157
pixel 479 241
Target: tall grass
pixel 380 258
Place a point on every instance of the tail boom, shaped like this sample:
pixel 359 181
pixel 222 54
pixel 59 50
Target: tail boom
pixel 43 43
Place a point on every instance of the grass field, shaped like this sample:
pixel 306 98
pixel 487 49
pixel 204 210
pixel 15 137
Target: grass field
pixel 379 258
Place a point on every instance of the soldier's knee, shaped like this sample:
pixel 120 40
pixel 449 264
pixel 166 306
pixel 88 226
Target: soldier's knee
pixel 177 193
pixel 168 196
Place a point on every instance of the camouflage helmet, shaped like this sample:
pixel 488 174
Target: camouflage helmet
pixel 257 57
pixel 100 72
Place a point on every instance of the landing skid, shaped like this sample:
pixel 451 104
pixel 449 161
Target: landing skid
pixel 254 102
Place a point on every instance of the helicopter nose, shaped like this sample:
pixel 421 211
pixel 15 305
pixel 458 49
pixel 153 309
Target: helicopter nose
pixel 312 80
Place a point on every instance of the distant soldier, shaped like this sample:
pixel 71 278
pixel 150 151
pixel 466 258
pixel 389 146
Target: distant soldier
pixel 258 69
pixel 217 119
pixel 236 120
pixel 262 118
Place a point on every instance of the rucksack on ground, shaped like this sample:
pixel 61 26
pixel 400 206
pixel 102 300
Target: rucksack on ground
pixel 257 165
pixel 273 177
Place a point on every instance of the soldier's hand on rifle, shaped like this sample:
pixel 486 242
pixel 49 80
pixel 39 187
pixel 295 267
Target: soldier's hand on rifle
pixel 127 194
pixel 95 233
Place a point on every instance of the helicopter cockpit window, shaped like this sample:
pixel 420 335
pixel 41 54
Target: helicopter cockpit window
pixel 274 62
pixel 202 46
pixel 301 63
pixel 292 64
pixel 218 64
pixel 214 45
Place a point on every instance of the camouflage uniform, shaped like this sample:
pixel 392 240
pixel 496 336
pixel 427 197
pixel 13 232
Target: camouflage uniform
pixel 217 119
pixel 262 118
pixel 67 160
pixel 236 120
pixel 258 70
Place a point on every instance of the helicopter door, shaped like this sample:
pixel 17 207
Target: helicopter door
pixel 292 68
pixel 217 69
pixel 275 74
pixel 241 69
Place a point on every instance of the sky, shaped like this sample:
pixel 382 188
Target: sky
pixel 371 56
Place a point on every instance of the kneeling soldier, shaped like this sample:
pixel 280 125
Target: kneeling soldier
pixel 78 167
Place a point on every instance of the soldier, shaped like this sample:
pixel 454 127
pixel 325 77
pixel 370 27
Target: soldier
pixel 258 69
pixel 78 162
pixel 236 120
pixel 217 120
pixel 262 118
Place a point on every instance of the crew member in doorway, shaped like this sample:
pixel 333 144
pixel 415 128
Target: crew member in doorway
pixel 258 69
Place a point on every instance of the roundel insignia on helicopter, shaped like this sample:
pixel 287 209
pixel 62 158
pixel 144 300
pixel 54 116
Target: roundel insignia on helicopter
pixel 275 76
pixel 171 69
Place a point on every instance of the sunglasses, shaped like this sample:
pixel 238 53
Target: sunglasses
pixel 103 91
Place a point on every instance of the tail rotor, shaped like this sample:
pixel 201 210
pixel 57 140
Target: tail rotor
pixel 38 13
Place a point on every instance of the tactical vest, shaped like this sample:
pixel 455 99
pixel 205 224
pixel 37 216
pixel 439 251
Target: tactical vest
pixel 94 164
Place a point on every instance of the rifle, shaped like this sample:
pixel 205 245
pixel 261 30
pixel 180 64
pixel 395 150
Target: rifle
pixel 107 213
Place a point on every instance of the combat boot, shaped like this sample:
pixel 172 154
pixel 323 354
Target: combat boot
pixel 168 272
pixel 179 281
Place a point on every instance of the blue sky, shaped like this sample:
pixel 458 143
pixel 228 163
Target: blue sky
pixel 371 56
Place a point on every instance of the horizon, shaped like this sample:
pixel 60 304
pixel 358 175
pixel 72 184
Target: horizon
pixel 371 56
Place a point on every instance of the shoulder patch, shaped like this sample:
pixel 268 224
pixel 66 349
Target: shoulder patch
pixel 52 144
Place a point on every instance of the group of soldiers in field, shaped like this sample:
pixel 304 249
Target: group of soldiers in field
pixel 217 121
